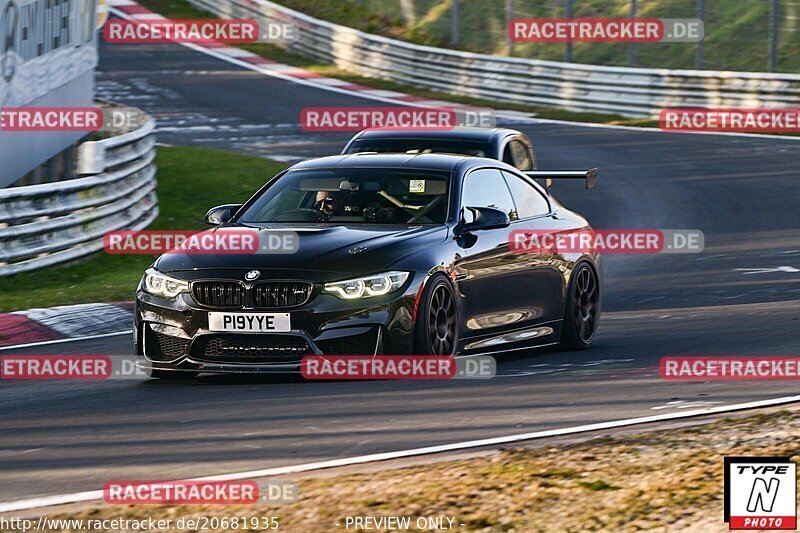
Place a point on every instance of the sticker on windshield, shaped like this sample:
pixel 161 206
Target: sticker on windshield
pixel 417 186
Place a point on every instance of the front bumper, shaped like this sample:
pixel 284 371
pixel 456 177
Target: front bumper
pixel 175 334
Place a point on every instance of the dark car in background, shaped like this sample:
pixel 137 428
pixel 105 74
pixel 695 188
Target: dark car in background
pixel 503 144
pixel 398 254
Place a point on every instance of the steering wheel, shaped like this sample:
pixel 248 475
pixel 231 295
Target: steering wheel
pixel 301 215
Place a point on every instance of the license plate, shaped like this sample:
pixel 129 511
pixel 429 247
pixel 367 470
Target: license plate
pixel 249 322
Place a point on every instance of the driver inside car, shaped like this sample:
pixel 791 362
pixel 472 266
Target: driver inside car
pixel 351 204
pixel 324 202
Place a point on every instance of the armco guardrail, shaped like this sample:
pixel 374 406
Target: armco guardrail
pixel 634 92
pixel 42 225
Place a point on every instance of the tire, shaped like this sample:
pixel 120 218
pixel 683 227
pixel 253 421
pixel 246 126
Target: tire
pixel 173 374
pixel 436 330
pixel 581 310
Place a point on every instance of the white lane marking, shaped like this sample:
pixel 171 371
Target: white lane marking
pixel 333 81
pixel 264 69
pixel 47 501
pixel 235 52
pixel 787 269
pixel 552 368
pixel 286 158
pixel 514 373
pixel 388 94
pixel 276 67
pixel 683 404
pixel 59 341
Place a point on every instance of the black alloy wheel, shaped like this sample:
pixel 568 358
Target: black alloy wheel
pixel 437 319
pixel 582 309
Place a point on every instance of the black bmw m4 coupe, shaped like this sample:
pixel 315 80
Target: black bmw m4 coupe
pixel 397 254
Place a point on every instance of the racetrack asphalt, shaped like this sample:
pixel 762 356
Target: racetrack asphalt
pixel 742 192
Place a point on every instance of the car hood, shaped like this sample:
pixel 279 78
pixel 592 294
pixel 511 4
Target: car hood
pixel 333 249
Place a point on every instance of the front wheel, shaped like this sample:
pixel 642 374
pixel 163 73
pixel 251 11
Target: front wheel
pixel 582 309
pixel 436 331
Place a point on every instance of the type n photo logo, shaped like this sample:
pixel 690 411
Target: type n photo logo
pixel 760 493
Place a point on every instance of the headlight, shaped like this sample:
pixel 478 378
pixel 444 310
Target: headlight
pixel 162 285
pixel 377 285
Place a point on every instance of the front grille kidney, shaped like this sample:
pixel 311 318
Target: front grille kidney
pixel 263 295
pixel 273 294
pixel 220 294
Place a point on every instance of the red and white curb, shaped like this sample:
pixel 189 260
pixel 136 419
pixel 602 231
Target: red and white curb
pixel 55 324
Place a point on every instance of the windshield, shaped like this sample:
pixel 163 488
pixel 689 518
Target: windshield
pixel 420 146
pixel 352 196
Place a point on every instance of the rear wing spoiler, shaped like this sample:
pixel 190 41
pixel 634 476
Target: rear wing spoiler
pixel 589 176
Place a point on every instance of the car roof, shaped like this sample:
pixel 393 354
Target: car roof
pixel 464 133
pixel 437 161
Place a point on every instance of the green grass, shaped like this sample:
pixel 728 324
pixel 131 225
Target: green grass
pixel 190 181
pixel 340 12
pixel 176 9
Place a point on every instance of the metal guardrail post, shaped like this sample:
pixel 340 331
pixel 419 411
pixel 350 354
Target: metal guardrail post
pixel 91 158
pixel 454 23
pixel 774 24
pixel 699 50
pixel 509 18
pixel 568 45
pixel 632 45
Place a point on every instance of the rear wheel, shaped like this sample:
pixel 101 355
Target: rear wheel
pixel 582 309
pixel 436 331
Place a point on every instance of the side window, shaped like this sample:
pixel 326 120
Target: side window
pixel 528 200
pixel 486 188
pixel 520 155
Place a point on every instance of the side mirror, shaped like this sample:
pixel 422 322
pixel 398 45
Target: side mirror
pixel 485 218
pixel 221 214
